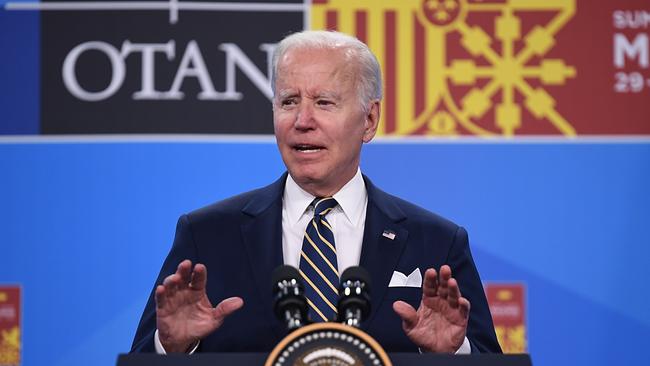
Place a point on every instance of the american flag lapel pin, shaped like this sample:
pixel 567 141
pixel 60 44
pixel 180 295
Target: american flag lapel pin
pixel 390 234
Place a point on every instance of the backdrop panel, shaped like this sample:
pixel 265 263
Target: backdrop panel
pixel 85 228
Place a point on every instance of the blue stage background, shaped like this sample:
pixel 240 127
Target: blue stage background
pixel 85 227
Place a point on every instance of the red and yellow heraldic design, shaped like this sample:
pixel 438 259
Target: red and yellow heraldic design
pixel 508 307
pixel 9 325
pixel 504 67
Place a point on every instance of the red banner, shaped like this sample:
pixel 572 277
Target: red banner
pixel 10 325
pixel 506 67
pixel 508 307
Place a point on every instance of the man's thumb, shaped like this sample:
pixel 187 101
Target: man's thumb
pixel 227 307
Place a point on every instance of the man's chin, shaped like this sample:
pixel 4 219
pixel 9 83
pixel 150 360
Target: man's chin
pixel 320 180
pixel 305 178
pixel 313 182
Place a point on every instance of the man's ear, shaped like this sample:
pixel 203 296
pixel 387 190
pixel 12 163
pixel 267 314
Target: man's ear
pixel 372 121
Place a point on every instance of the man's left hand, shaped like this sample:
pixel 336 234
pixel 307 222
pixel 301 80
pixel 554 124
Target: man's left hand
pixel 440 323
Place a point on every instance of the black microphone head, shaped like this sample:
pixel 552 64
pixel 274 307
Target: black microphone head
pixel 284 273
pixel 288 291
pixel 357 274
pixel 354 294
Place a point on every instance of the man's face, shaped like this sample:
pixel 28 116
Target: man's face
pixel 318 120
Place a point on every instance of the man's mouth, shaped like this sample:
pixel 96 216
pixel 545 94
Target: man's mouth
pixel 306 148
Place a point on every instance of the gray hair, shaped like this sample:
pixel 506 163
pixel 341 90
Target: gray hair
pixel 370 72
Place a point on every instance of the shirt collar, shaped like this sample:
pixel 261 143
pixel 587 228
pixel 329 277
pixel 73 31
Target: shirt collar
pixel 351 199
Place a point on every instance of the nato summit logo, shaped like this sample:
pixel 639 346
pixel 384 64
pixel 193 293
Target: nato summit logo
pixel 453 67
pixel 158 66
pixel 487 68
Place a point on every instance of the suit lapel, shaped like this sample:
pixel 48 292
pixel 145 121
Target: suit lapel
pixel 262 237
pixel 380 254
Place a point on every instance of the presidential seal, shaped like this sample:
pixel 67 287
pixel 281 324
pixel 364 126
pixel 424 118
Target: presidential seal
pixel 325 344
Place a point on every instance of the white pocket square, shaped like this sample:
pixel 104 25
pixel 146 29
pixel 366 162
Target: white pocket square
pixel 399 279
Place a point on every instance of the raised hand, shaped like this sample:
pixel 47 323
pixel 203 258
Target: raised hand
pixel 440 323
pixel 184 312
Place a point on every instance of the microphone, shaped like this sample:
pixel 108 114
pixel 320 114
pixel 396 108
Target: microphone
pixel 289 302
pixel 354 296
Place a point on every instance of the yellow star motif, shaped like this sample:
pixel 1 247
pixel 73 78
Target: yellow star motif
pixel 442 15
pixel 451 5
pixel 432 4
pixel 11 337
pixel 495 86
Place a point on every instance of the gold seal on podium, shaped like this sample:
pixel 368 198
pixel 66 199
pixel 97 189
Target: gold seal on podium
pixel 325 344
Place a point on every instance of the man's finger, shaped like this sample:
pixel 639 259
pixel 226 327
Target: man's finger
pixel 160 297
pixel 171 284
pixel 199 277
pixel 464 306
pixel 430 286
pixel 184 270
pixel 444 277
pixel 454 293
pixel 227 307
pixel 445 274
pixel 407 313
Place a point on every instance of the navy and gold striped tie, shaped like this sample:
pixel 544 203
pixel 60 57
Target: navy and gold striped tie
pixel 318 266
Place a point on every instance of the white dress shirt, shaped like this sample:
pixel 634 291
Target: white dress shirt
pixel 348 221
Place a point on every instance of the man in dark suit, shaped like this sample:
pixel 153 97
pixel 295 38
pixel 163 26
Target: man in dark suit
pixel 327 93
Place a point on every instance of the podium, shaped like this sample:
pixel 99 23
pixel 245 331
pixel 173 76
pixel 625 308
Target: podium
pixel 258 359
pixel 323 344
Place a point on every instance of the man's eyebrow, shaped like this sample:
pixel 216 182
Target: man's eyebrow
pixel 286 93
pixel 328 95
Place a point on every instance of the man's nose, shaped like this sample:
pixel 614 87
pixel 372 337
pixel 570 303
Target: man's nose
pixel 305 118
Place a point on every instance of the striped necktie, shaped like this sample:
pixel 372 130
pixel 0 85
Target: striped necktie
pixel 318 266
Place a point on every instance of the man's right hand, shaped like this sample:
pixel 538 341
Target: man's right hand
pixel 184 312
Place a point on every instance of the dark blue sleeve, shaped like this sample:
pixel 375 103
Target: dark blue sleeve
pixel 183 248
pixel 480 330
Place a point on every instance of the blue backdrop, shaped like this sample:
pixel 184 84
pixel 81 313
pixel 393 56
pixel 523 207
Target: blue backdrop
pixel 85 226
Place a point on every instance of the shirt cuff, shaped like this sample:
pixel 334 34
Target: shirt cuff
pixel 465 348
pixel 161 350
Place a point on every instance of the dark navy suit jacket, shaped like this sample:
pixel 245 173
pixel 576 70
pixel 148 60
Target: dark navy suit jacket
pixel 240 241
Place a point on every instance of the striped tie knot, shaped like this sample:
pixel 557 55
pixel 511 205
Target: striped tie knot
pixel 318 263
pixel 323 205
